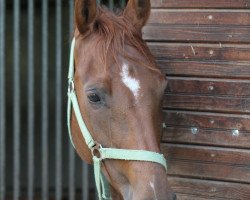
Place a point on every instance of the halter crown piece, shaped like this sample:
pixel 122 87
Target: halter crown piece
pixel 99 154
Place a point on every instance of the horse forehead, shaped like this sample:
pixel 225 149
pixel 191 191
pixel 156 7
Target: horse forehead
pixel 131 82
pixel 138 77
pixel 138 81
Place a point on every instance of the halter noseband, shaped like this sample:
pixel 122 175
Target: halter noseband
pixel 98 152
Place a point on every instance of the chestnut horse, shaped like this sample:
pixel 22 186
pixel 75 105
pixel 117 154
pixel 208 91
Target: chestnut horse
pixel 119 90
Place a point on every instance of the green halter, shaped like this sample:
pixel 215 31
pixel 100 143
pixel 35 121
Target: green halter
pixel 98 152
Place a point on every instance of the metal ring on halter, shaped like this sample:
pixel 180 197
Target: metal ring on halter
pixel 95 150
pixel 71 87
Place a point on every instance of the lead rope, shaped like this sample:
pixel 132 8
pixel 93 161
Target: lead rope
pixel 101 182
pixel 99 154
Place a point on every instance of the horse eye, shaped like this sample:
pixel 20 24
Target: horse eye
pixel 94 98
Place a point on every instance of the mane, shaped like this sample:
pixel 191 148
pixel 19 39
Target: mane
pixel 113 32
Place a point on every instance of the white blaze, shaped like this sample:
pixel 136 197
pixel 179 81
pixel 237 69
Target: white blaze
pixel 130 82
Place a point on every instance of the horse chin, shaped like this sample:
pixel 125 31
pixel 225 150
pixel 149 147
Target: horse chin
pixel 128 193
pixel 142 183
pixel 130 196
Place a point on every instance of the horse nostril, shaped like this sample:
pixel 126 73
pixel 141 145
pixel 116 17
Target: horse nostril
pixel 174 197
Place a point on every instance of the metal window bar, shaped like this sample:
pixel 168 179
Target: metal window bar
pixel 2 102
pixel 30 86
pixel 111 4
pixel 16 100
pixel 71 149
pixel 44 102
pixel 58 100
pixel 123 3
pixel 85 188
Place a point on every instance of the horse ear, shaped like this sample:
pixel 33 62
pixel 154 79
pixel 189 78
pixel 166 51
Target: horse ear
pixel 85 14
pixel 138 11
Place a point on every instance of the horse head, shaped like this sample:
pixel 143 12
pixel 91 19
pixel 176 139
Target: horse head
pixel 120 91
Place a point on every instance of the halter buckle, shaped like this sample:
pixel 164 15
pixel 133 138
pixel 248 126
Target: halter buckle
pixel 95 150
pixel 71 87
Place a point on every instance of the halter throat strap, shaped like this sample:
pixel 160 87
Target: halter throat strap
pixel 98 152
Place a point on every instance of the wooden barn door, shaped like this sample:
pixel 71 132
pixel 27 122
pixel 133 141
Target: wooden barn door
pixel 204 49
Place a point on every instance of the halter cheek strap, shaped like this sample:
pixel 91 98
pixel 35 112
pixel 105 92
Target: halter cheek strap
pixel 99 154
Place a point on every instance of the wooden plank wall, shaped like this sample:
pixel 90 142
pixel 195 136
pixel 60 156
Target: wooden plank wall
pixel 204 49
